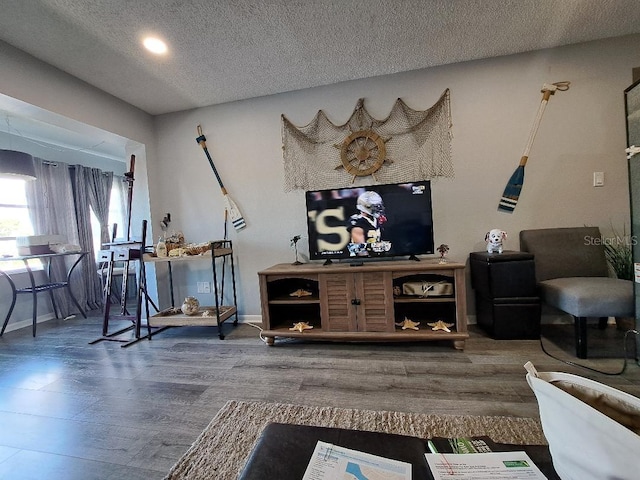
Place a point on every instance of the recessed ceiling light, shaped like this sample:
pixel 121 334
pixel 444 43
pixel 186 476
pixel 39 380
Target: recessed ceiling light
pixel 155 45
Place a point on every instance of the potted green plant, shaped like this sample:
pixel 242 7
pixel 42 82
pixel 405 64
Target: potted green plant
pixel 619 253
pixel 619 256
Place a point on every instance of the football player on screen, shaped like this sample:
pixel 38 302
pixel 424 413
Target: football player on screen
pixel 365 227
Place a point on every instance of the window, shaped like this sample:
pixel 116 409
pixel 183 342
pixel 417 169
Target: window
pixel 14 218
pixel 14 214
pixel 116 215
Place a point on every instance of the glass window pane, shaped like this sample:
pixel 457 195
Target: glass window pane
pixel 8 249
pixel 15 222
pixel 12 192
pixel 116 211
pixel 14 218
pixel 95 232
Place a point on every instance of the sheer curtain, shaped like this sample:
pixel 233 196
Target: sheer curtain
pixel 92 189
pixel 51 208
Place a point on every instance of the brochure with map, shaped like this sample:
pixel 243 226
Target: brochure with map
pixel 331 462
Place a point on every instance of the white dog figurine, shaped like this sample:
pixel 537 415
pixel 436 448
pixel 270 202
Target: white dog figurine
pixel 494 239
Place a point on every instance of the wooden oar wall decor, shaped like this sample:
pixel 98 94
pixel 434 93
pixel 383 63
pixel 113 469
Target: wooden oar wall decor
pixel 512 191
pixel 230 207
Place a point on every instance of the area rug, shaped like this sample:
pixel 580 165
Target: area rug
pixel 221 450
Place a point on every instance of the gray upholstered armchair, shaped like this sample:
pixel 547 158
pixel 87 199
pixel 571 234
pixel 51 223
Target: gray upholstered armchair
pixel 573 276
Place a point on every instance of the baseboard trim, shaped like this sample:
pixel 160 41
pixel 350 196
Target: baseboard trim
pixel 250 319
pixel 257 319
pixel 16 325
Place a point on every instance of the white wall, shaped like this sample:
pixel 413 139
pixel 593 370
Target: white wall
pixel 493 106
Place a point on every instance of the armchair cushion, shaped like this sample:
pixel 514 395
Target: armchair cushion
pixel 590 296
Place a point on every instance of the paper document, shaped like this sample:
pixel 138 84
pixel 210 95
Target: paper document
pixel 483 466
pixel 330 462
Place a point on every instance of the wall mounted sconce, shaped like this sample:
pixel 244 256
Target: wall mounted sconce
pixel 15 164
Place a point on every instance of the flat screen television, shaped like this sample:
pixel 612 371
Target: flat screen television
pixel 375 221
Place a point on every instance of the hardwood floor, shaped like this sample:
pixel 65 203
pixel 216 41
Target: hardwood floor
pixel 70 410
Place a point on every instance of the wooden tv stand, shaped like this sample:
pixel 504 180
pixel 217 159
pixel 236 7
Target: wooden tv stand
pixel 357 303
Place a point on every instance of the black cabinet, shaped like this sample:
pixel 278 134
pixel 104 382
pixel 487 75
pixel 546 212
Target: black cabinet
pixel 507 305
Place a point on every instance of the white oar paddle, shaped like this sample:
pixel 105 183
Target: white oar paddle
pixel 230 206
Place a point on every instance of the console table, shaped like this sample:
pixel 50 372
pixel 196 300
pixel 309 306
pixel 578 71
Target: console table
pixel 48 285
pixel 214 315
pixel 343 302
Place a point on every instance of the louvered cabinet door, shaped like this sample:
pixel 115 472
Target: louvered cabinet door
pixel 336 307
pixel 357 302
pixel 374 295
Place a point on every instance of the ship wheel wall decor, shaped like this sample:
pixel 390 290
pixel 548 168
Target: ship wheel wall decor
pixel 362 153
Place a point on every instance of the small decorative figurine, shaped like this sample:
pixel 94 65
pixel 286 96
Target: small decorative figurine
pixel 294 244
pixel 301 326
pixel 406 323
pixel 440 325
pixel 494 239
pixel 190 306
pixel 442 250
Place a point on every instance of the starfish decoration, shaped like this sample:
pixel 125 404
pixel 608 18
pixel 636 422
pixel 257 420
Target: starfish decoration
pixel 300 326
pixel 440 325
pixel 408 324
pixel 300 293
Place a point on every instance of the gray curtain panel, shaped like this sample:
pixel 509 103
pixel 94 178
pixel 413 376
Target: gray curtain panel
pixel 92 189
pixel 51 208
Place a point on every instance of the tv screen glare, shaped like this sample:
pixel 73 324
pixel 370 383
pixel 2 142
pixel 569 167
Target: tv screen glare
pixel 374 221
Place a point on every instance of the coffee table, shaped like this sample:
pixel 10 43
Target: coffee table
pixel 283 451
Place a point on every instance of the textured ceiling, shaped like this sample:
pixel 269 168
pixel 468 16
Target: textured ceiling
pixel 221 51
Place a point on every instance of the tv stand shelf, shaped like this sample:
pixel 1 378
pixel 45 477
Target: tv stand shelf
pixel 343 302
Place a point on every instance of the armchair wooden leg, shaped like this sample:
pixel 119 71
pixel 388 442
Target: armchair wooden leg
pixel 580 324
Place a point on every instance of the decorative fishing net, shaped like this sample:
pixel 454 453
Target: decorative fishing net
pixel 418 146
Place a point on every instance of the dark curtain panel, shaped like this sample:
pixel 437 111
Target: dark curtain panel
pixel 51 207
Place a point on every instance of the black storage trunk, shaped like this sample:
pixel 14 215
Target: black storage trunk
pixel 507 304
pixel 516 318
